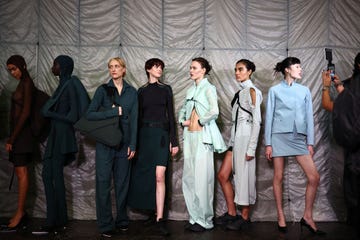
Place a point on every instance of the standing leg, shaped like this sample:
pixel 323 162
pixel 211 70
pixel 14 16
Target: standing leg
pixel 160 191
pixel 349 188
pixel 188 177
pixel 204 184
pixel 103 166
pixel 224 180
pixel 277 188
pixel 307 164
pixel 23 186
pixel 160 200
pixel 122 170
pixel 59 190
pixel 47 176
pixel 245 212
pixel 357 209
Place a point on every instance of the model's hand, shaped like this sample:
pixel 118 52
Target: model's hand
pixel 8 147
pixel 249 158
pixel 326 79
pixel 174 151
pixel 311 150
pixel 120 111
pixel 130 154
pixel 186 123
pixel 268 153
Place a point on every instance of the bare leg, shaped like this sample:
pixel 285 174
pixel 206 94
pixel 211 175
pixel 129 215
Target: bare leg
pixel 23 185
pixel 160 191
pixel 245 212
pixel 226 186
pixel 307 164
pixel 277 188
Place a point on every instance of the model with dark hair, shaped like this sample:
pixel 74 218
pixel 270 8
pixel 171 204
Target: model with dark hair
pixel 289 131
pixel 21 145
pixel 201 138
pixel 156 142
pixel 240 158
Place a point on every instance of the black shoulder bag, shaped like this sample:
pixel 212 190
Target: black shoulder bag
pixel 107 131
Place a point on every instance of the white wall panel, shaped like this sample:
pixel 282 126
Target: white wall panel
pixel 58 22
pixel 99 22
pixel 142 23
pixel 344 21
pixel 225 24
pixel 308 23
pixel 19 21
pixel 267 24
pixel 184 24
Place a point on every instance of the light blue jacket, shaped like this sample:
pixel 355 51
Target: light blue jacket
pixel 203 98
pixel 289 107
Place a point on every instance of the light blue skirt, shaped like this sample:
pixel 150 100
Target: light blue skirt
pixel 288 144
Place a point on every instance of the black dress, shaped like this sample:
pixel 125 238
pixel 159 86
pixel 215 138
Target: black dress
pixel 156 132
pixel 24 144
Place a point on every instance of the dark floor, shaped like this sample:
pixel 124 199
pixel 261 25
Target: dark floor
pixel 87 230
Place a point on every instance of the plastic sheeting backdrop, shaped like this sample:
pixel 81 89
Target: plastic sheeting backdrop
pixel 93 31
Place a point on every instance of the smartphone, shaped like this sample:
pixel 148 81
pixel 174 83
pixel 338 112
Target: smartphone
pixel 330 66
pixel 328 55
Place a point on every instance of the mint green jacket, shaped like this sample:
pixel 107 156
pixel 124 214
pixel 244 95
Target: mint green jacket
pixel 203 98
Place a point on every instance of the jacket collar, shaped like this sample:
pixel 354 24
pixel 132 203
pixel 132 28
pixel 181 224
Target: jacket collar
pixel 125 84
pixel 203 82
pixel 285 84
pixel 245 84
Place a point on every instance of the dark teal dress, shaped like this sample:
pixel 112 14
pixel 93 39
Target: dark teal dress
pixel 156 132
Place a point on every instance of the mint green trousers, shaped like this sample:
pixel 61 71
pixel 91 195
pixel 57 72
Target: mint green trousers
pixel 198 179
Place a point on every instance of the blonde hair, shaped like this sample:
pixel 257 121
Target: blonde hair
pixel 120 61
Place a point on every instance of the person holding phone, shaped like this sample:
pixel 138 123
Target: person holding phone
pixel 351 178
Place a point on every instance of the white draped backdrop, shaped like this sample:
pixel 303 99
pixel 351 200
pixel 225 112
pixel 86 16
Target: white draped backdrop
pixel 93 31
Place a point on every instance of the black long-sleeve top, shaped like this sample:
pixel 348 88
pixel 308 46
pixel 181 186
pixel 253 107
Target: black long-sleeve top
pixel 156 105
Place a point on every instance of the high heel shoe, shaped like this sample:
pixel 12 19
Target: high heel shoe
pixel 282 229
pixel 313 231
pixel 20 226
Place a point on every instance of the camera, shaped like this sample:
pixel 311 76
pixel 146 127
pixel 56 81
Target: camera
pixel 330 66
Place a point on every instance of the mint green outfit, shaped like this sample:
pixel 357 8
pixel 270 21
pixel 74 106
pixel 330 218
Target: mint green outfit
pixel 198 171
